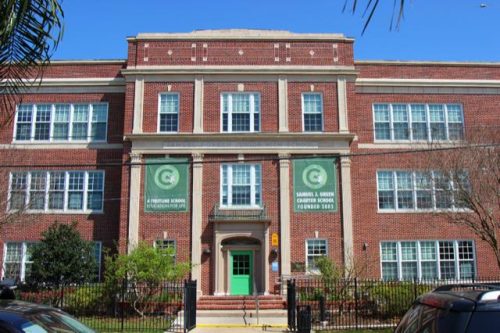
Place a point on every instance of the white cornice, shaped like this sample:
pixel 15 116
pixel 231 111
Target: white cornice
pixel 241 34
pixel 88 62
pixel 73 85
pixel 58 146
pixel 387 82
pixel 243 69
pixel 241 137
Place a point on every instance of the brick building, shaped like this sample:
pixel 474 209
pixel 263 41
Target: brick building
pixel 234 147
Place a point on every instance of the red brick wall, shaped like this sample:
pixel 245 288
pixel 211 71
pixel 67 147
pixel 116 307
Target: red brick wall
pixel 151 100
pixel 268 104
pixel 84 70
pixel 239 53
pixel 428 71
pixel 330 105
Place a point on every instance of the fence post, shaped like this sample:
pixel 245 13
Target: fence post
pixel 322 315
pixel 291 301
pixel 415 292
pixel 122 305
pixel 356 302
pixel 62 296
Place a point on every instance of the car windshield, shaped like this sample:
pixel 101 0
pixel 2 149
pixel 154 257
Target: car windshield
pixel 53 321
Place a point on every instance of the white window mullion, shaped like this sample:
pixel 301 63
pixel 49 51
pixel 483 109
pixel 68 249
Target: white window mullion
pixel 252 185
pixel 429 129
pixel 400 265
pixel 414 185
pixel 66 190
pixel 252 112
pixel 410 122
pixel 89 122
pixel 229 185
pixel 47 184
pixel 391 122
pixel 445 107
pixel 229 113
pixel 457 261
pixel 85 190
pixel 52 120
pixel 33 123
pixel 438 258
pixel 395 190
pixel 70 125
pixel 28 191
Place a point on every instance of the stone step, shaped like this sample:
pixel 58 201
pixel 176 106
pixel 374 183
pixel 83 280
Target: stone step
pixel 240 307
pixel 232 318
pixel 240 302
pixel 260 297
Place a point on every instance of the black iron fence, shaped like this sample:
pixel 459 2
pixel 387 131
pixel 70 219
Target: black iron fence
pixel 354 303
pixel 118 307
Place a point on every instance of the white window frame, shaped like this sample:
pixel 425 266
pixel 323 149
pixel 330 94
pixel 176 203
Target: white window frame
pixel 24 251
pixel 252 111
pixel 456 259
pixel 410 122
pixel 65 210
pixel 70 123
pixel 310 269
pixel 253 186
pixel 304 113
pixel 171 243
pixel 414 190
pixel 177 113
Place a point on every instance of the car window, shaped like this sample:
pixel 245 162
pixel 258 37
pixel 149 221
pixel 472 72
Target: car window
pixel 485 322
pixel 409 322
pixel 30 327
pixel 53 321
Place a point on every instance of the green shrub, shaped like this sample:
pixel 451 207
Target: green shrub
pixel 84 299
pixel 393 299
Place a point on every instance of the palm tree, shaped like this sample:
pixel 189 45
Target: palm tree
pixel 30 31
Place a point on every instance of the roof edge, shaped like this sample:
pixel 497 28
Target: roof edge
pixel 88 61
pixel 427 63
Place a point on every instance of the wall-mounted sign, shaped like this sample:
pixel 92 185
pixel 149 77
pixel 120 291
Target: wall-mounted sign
pixel 275 266
pixel 274 239
pixel 315 185
pixel 167 185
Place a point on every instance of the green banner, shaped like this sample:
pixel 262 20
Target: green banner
pixel 315 185
pixel 166 185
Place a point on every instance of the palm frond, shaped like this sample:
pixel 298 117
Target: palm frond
pixel 30 31
pixel 371 7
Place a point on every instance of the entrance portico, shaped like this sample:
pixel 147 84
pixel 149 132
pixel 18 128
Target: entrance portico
pixel 241 258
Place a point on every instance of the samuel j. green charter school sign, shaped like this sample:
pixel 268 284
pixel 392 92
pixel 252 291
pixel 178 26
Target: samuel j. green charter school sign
pixel 314 185
pixel 166 185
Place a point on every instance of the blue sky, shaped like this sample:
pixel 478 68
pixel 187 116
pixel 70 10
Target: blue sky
pixel 444 30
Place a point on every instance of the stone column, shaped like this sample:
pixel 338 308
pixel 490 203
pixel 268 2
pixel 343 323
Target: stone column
pixel 134 201
pixel 196 220
pixel 138 105
pixel 342 103
pixel 283 103
pixel 198 104
pixel 285 213
pixel 345 175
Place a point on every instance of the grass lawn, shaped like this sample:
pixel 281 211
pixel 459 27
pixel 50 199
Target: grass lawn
pixel 112 325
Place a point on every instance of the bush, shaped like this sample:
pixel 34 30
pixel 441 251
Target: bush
pixel 84 299
pixel 393 299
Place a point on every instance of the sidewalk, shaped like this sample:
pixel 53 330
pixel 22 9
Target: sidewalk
pixel 237 330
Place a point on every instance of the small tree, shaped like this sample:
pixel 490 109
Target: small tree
pixel 145 269
pixel 62 257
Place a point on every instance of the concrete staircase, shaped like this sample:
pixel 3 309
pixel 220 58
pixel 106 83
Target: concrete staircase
pixel 241 311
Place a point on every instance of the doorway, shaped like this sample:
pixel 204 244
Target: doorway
pixel 241 271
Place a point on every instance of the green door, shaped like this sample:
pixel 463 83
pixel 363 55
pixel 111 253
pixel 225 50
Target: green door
pixel 241 268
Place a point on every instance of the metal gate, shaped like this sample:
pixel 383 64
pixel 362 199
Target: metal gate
pixel 291 305
pixel 189 305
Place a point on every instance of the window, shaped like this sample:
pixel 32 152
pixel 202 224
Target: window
pixel 241 185
pixel 61 122
pixel 418 122
pixel 240 112
pixel 166 244
pixel 78 191
pixel 426 260
pixel 407 190
pixel 17 259
pixel 312 108
pixel 315 248
pixel 168 112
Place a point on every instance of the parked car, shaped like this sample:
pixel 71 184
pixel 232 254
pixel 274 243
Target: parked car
pixel 19 317
pixel 463 308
